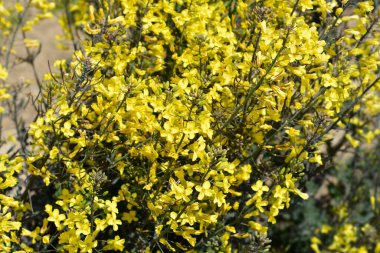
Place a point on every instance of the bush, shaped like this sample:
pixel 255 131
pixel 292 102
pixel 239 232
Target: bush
pixel 191 126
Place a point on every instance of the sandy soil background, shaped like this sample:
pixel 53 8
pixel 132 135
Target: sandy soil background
pixel 45 32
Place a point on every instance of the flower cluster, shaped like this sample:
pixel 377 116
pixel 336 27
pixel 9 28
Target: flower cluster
pixel 185 125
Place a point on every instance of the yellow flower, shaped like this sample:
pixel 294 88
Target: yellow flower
pixel 55 216
pixel 19 7
pixel 219 198
pixel 116 244
pixel 29 43
pixel 3 73
pixel 257 227
pixel 112 221
pixel 179 191
pixel 259 187
pixel 316 159
pixel 204 190
pixel 130 216
pixel 92 31
pixel 88 244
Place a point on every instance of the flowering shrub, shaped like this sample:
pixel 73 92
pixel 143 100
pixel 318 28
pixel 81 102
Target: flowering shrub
pixel 185 125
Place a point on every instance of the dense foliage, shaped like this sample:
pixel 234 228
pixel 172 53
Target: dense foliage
pixel 191 125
